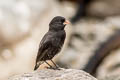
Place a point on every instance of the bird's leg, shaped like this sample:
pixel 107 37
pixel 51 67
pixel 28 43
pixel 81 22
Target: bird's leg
pixel 50 67
pixel 57 67
pixel 48 64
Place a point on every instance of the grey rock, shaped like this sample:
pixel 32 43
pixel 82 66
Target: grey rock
pixel 49 74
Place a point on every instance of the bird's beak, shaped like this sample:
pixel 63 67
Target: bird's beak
pixel 66 22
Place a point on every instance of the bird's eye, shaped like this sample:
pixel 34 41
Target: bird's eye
pixel 62 20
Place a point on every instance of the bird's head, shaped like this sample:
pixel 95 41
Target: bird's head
pixel 58 23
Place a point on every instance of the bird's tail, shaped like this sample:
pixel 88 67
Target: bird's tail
pixel 37 65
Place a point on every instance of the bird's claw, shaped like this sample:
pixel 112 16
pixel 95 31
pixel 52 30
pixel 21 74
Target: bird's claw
pixel 54 68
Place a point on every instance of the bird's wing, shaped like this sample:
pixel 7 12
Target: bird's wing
pixel 43 47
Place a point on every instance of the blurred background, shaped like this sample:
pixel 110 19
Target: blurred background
pixel 94 23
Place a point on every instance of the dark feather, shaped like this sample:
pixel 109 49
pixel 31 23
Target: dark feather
pixel 50 45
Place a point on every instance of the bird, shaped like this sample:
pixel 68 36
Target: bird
pixel 52 42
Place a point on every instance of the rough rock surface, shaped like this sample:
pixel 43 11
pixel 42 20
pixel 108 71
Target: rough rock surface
pixel 48 74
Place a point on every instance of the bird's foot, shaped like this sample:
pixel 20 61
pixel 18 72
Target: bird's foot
pixel 58 68
pixel 54 68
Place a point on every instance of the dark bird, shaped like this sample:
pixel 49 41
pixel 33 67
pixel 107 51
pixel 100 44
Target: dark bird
pixel 52 42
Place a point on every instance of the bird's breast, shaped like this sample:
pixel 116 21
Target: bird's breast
pixel 59 39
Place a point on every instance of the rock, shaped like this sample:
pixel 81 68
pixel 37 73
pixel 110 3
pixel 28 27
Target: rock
pixel 17 18
pixel 115 76
pixel 104 8
pixel 49 74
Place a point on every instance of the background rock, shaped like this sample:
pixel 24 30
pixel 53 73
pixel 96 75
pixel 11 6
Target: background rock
pixel 113 76
pixel 104 8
